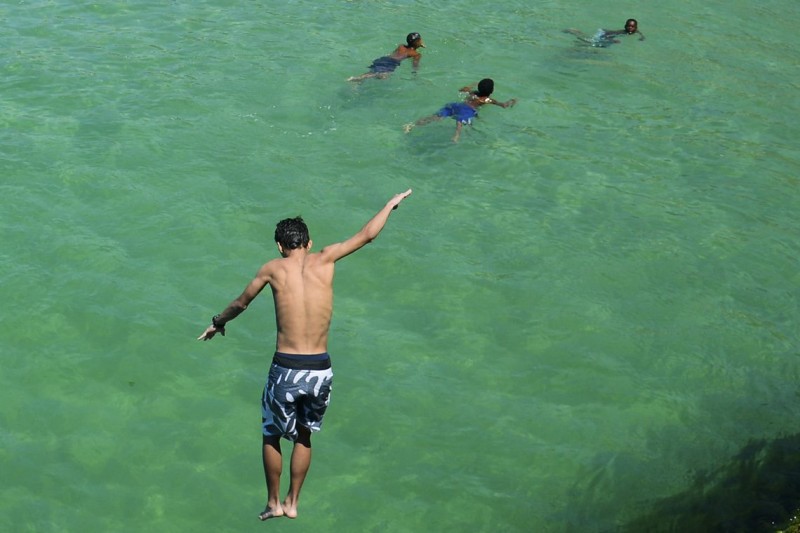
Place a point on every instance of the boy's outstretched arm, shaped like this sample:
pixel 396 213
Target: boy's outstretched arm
pixel 367 234
pixel 509 103
pixel 239 305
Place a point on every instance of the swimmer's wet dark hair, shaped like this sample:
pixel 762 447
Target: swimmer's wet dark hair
pixel 291 233
pixel 411 37
pixel 485 87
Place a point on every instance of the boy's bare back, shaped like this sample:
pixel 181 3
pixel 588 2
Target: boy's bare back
pixel 302 289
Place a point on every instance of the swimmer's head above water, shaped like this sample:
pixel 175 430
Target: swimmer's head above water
pixel 414 40
pixel 485 87
pixel 631 26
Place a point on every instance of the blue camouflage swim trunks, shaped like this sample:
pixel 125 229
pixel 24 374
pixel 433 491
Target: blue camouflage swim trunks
pixel 297 392
pixel 459 111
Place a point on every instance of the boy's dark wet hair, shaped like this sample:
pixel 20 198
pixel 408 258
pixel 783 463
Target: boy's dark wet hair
pixel 411 37
pixel 628 23
pixel 291 233
pixel 485 87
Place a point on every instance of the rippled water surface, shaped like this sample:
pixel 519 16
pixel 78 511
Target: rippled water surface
pixel 583 319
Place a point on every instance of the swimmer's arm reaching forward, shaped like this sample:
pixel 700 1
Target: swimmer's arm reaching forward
pixel 475 101
pixel 509 103
pixel 611 33
pixel 415 62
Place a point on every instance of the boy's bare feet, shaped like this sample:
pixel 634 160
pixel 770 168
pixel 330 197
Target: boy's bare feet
pixel 289 509
pixel 268 513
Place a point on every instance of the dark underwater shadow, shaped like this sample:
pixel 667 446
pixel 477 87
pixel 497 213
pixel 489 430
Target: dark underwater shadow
pixel 758 491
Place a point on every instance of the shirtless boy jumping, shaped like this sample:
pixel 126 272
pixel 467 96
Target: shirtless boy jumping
pixel 297 391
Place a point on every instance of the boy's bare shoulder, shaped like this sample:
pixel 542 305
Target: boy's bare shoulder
pixel 402 51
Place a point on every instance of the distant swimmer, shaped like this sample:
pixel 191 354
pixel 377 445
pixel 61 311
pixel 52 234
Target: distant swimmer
pixel 464 112
pixel 604 38
pixel 383 66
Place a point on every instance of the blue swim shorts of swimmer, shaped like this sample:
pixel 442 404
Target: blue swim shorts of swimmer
pixel 297 392
pixel 384 64
pixel 459 111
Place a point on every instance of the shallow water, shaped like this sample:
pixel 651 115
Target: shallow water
pixel 588 304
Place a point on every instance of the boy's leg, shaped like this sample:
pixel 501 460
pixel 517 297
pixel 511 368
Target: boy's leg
pixel 301 461
pixel 459 125
pixel 273 464
pixel 421 122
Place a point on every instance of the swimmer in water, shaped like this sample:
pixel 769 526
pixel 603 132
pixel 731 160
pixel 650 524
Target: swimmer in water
pixel 464 112
pixel 604 38
pixel 383 66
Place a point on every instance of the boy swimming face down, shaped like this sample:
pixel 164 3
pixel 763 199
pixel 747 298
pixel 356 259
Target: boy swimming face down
pixel 464 112
pixel 383 66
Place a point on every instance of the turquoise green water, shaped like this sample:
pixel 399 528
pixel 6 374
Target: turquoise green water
pixel 588 304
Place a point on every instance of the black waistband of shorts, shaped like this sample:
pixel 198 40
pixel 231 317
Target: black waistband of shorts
pixel 319 361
